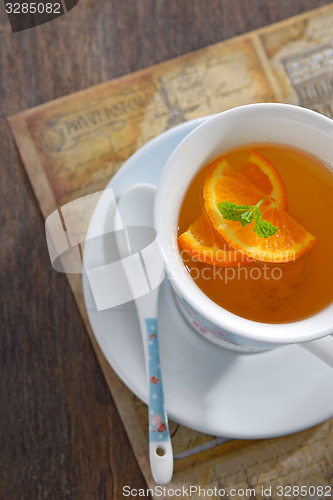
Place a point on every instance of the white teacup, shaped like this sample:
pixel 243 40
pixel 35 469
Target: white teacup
pixel 276 123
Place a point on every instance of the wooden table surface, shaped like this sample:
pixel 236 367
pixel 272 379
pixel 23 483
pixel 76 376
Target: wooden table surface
pixel 60 433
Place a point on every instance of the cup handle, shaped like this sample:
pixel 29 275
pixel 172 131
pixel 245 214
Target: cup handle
pixel 322 348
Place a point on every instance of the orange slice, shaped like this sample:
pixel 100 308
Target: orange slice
pixel 203 243
pixel 263 175
pixel 223 183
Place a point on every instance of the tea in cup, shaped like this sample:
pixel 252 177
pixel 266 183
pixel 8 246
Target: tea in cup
pixel 267 293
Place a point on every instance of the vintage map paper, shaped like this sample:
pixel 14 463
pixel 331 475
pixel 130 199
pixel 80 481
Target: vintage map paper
pixel 72 146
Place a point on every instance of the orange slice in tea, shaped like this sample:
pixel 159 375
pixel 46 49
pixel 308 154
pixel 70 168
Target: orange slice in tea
pixel 204 244
pixel 263 175
pixel 223 183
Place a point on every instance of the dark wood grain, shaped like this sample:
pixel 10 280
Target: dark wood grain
pixel 60 434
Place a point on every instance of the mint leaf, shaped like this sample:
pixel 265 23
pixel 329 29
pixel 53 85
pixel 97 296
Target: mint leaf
pixel 262 227
pixel 232 211
pixel 245 215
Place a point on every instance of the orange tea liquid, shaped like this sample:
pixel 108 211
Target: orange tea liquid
pixel 274 293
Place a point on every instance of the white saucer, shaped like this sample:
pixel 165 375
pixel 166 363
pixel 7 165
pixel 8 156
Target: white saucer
pixel 207 388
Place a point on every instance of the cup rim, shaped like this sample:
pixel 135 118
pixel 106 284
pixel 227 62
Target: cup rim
pixel 309 328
